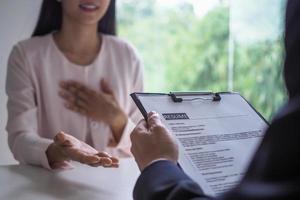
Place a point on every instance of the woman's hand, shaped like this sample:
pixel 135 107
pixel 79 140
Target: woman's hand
pixel 66 148
pixel 99 106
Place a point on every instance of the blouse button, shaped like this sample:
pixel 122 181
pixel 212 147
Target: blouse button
pixel 94 124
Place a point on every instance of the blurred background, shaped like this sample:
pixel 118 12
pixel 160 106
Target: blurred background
pixel 189 45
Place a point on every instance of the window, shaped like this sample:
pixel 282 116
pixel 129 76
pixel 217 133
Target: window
pixel 215 45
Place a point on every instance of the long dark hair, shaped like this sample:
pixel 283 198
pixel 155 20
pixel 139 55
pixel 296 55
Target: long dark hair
pixel 50 19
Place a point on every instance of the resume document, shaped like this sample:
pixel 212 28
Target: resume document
pixel 217 139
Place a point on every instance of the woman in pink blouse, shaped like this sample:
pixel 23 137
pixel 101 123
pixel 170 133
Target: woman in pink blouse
pixel 74 75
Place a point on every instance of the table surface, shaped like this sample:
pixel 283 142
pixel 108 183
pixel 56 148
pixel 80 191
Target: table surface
pixel 83 182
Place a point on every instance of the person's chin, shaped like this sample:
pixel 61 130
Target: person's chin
pixel 88 20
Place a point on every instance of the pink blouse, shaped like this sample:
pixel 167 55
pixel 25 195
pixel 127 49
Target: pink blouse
pixel 36 113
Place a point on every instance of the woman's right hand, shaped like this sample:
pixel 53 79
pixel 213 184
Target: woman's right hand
pixel 66 148
pixel 99 106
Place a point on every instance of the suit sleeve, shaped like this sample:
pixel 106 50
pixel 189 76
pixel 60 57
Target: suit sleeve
pixel 164 180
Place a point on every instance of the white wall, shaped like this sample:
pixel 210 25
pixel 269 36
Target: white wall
pixel 17 20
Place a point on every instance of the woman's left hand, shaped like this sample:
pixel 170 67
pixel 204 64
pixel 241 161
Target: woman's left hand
pixel 99 106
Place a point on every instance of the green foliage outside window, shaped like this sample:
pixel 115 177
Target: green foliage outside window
pixel 183 52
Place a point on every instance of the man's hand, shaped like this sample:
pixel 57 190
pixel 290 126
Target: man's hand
pixel 66 148
pixel 151 141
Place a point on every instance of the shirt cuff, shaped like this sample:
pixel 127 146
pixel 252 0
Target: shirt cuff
pixel 125 139
pixel 122 149
pixel 43 146
pixel 154 161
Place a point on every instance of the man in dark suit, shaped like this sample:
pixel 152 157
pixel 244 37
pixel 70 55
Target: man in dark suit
pixel 274 172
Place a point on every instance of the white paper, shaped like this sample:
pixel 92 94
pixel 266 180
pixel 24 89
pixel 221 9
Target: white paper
pixel 218 140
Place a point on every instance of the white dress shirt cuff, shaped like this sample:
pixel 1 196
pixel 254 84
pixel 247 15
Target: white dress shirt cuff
pixel 154 161
pixel 43 146
pixel 125 139
pixel 123 147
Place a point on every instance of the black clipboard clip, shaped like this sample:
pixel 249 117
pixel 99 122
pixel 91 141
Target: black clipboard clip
pixel 176 99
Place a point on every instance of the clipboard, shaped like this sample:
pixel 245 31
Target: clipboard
pixel 178 97
pixel 216 146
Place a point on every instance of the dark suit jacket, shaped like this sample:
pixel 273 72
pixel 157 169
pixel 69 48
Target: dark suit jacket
pixel 274 172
